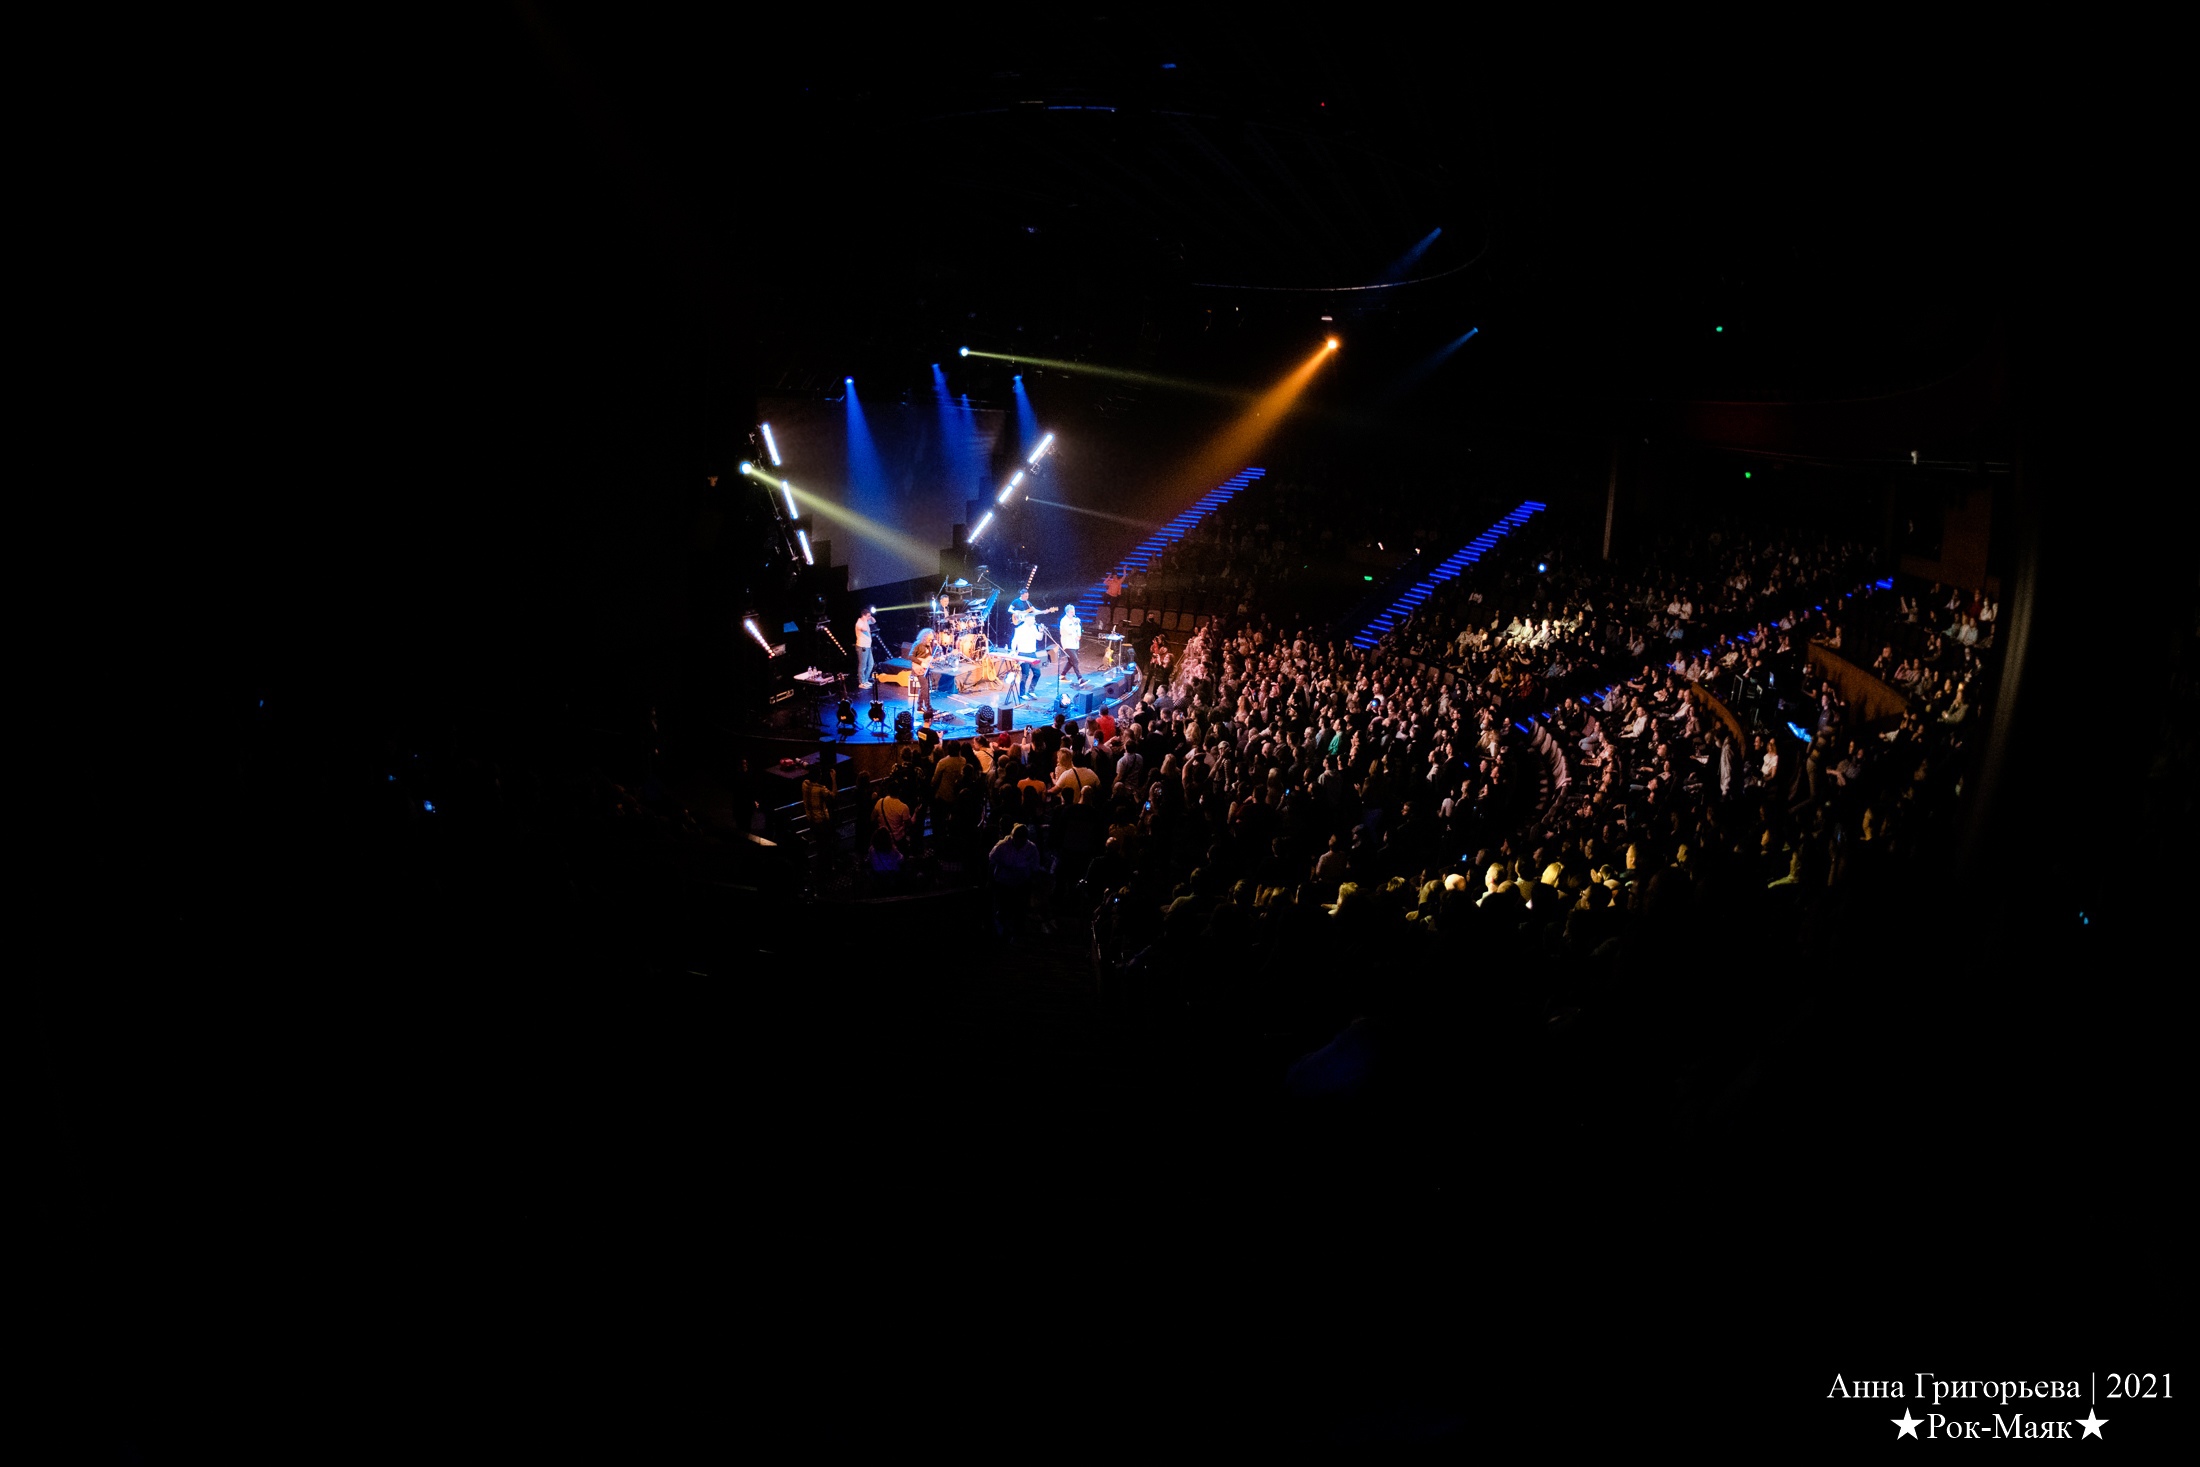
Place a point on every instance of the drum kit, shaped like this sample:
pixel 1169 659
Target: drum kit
pixel 960 614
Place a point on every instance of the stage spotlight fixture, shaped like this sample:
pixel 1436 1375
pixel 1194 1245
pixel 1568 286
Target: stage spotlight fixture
pixel 1542 567
pixel 750 623
pixel 804 537
pixel 744 466
pixel 987 520
pixel 1332 343
pixel 1041 451
pixel 771 445
pixel 1015 478
pixel 966 351
pixel 786 492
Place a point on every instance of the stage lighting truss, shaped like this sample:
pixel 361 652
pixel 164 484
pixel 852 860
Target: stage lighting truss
pixel 1030 468
pixel 748 624
pixel 794 526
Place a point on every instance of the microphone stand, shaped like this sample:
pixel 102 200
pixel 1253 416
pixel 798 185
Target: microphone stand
pixel 1057 661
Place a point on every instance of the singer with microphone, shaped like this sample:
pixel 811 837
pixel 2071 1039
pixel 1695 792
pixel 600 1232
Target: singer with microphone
pixel 1071 633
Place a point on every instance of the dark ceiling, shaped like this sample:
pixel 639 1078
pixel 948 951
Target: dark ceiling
pixel 854 196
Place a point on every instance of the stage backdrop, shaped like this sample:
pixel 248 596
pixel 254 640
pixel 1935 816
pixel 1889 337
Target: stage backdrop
pixel 899 462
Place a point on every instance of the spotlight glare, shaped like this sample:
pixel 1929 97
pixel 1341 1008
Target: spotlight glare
pixel 745 466
pixel 1040 452
pixel 974 534
pixel 966 351
pixel 804 537
pixel 787 491
pixel 1015 478
pixel 1332 343
pixel 771 444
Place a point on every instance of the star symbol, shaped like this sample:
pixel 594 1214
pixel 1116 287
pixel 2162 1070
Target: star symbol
pixel 1906 1425
pixel 2092 1424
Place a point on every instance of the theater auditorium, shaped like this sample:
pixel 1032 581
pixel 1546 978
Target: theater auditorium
pixel 1108 734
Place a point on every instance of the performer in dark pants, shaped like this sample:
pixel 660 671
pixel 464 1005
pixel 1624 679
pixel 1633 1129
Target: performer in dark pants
pixel 1025 644
pixel 920 671
pixel 1026 647
pixel 1071 632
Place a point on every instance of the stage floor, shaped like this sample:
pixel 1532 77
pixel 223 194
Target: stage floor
pixel 955 715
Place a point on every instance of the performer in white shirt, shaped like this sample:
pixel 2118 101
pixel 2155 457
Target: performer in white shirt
pixel 866 624
pixel 1071 631
pixel 1024 642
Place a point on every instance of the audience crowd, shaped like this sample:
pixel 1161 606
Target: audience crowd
pixel 1534 798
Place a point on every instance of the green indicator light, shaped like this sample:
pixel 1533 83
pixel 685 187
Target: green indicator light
pixel 1367 578
pixel 1718 328
pixel 1747 474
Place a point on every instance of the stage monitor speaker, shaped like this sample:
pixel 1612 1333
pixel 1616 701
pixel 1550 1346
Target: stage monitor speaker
pixel 1008 718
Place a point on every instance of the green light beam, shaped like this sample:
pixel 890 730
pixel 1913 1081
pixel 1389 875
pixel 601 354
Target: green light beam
pixel 1119 374
pixel 1121 519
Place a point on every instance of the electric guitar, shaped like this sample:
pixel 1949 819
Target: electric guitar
pixel 1024 618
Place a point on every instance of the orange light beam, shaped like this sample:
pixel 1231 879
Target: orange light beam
pixel 1239 444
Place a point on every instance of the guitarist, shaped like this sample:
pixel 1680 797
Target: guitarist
pixel 1024 642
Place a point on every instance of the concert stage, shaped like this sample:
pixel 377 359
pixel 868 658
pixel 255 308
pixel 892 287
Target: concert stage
pixel 955 714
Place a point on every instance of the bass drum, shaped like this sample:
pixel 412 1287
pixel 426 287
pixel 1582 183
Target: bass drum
pixel 969 646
